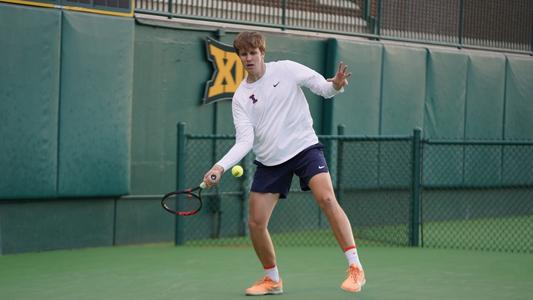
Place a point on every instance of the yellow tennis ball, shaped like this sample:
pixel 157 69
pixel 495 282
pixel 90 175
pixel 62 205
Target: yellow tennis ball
pixel 237 171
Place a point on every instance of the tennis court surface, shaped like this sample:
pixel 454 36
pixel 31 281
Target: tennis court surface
pixel 163 271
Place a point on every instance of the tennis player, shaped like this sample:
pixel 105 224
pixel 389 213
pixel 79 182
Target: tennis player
pixel 271 116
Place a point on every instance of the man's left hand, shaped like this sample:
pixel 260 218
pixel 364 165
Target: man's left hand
pixel 341 77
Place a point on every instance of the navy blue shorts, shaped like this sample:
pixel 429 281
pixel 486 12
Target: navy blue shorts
pixel 278 179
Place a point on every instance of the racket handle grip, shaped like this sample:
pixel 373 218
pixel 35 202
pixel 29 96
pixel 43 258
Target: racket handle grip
pixel 203 185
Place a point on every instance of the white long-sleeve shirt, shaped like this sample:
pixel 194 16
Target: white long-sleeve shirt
pixel 271 115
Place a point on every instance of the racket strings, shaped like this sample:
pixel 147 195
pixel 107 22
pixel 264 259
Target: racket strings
pixel 183 203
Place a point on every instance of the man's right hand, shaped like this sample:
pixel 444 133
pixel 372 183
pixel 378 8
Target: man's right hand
pixel 215 170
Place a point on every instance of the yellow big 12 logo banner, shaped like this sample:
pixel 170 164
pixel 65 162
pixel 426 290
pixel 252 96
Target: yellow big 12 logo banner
pixel 228 71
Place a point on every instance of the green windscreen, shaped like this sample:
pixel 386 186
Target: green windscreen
pixel 403 89
pixel 29 88
pixel 519 98
pixel 444 111
pixel 96 95
pixel 360 101
pixel 484 116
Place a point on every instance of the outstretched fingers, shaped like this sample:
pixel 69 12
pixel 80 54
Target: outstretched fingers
pixel 342 71
pixel 340 79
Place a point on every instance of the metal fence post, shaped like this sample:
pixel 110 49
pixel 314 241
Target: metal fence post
pixel 377 25
pixel 416 188
pixel 217 200
pixel 169 9
pixel 283 14
pixel 340 161
pixel 461 23
pixel 332 58
pixel 367 13
pixel 180 179
pixel 246 183
pixel 531 41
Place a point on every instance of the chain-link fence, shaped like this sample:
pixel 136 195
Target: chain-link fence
pixel 489 24
pixel 401 191
pixel 478 195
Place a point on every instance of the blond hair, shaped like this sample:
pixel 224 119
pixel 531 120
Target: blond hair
pixel 249 40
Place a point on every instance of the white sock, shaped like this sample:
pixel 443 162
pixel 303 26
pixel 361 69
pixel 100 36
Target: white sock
pixel 352 257
pixel 272 273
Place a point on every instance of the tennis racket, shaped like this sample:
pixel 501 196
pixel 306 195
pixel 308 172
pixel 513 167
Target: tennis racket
pixel 187 202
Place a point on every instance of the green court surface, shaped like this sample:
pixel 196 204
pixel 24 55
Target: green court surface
pixel 168 272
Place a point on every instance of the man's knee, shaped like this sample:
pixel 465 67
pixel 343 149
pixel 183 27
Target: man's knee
pixel 326 201
pixel 256 224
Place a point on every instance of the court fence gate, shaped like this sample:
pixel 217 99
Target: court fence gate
pixel 396 191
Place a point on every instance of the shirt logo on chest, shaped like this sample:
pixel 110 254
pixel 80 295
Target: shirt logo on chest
pixel 253 98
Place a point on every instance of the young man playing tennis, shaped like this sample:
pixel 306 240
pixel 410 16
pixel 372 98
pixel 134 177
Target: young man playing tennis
pixel 271 116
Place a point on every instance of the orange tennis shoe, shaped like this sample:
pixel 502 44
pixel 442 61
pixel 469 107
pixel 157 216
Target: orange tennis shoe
pixel 265 286
pixel 355 280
